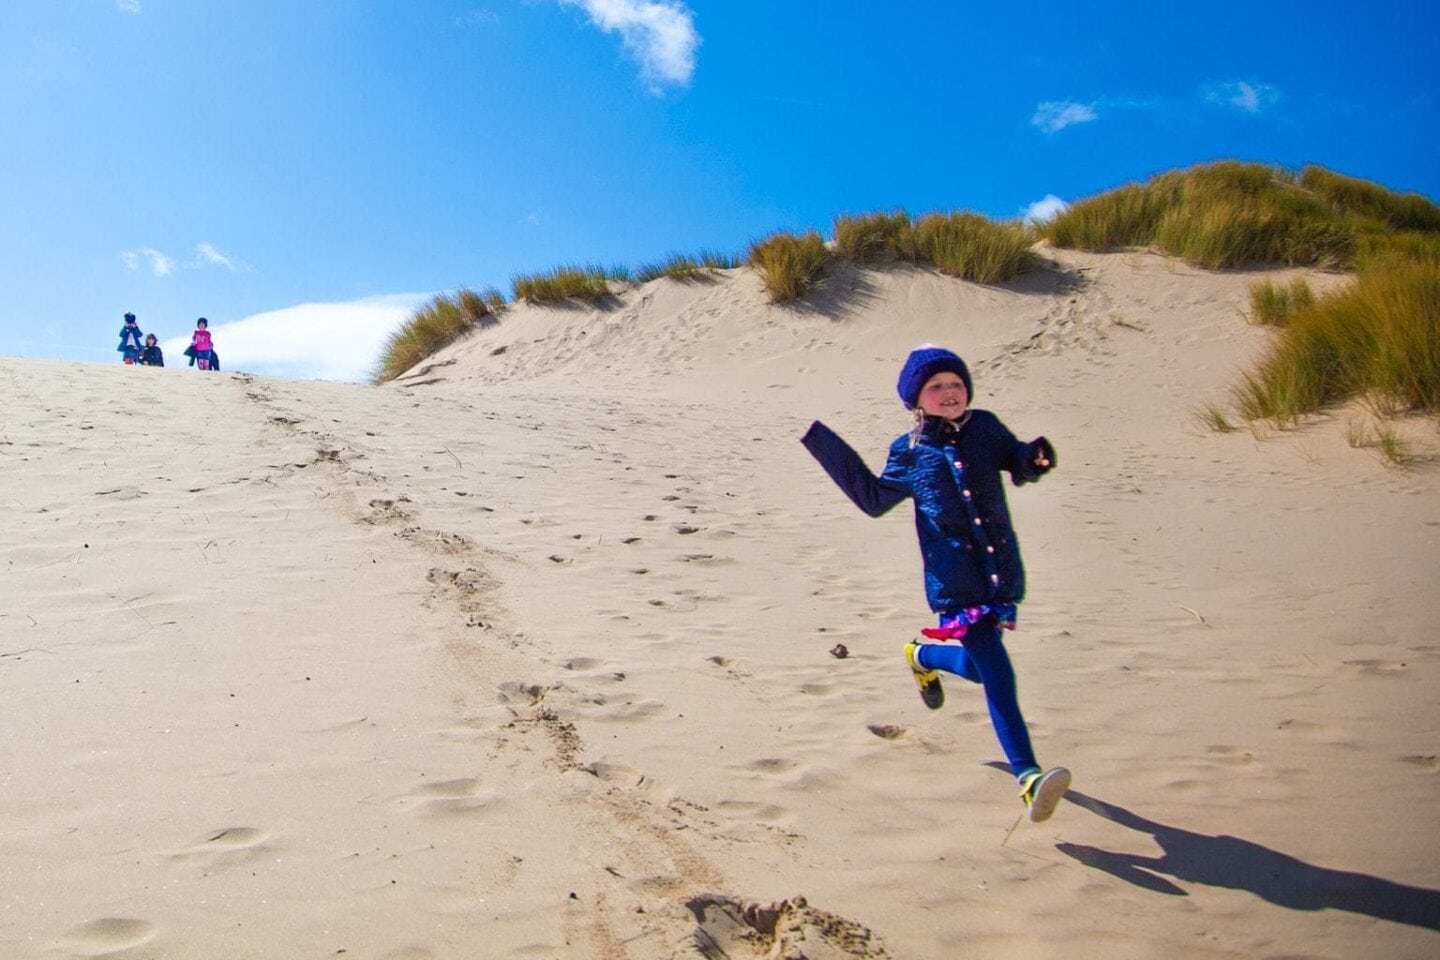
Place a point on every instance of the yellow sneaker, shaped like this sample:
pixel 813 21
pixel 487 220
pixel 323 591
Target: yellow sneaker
pixel 927 680
pixel 1042 792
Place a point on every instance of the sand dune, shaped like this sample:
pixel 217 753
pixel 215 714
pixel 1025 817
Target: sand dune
pixel 528 653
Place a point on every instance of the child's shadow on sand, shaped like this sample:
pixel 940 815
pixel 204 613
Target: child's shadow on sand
pixel 1241 865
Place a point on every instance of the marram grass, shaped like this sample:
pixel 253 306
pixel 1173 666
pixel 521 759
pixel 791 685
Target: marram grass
pixel 588 284
pixel 1377 338
pixel 433 326
pixel 685 269
pixel 1271 304
pixel 962 244
pixel 973 247
pixel 1217 216
pixel 874 237
pixel 788 264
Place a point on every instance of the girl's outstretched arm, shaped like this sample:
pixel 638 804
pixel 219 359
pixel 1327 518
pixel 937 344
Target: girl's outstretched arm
pixel 872 494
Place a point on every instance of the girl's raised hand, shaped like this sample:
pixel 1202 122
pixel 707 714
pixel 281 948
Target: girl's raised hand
pixel 1043 455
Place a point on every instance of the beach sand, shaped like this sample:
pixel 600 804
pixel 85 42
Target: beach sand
pixel 528 653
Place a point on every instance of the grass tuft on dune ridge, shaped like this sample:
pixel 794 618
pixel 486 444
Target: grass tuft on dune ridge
pixel 435 325
pixel 588 284
pixel 788 263
pixel 973 247
pixel 1375 338
pixel 875 237
pixel 1216 216
pixel 685 269
pixel 965 245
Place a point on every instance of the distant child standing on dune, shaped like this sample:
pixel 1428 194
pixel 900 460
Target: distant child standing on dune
pixel 131 339
pixel 152 355
pixel 950 465
pixel 203 349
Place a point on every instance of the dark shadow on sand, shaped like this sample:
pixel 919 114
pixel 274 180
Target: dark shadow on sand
pixel 1222 861
pixel 842 289
pixel 1044 277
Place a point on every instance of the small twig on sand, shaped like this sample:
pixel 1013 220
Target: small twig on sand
pixel 1011 832
pixel 1195 614
pixel 457 459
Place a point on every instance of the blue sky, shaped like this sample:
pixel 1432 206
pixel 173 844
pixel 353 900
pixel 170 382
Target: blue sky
pixel 303 172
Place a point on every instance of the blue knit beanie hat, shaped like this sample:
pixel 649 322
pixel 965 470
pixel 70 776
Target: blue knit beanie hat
pixel 923 363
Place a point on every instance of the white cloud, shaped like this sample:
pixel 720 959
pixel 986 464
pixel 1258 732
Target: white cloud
pixel 1055 115
pixel 1043 211
pixel 207 254
pixel 163 265
pixel 1241 94
pixel 131 7
pixel 659 33
pixel 312 341
pixel 160 264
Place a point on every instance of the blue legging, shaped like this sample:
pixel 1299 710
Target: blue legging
pixel 983 660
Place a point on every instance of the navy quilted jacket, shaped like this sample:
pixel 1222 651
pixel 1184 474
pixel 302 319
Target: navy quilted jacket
pixel 953 474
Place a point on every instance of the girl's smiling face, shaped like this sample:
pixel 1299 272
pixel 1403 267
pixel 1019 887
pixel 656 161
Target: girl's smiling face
pixel 944 395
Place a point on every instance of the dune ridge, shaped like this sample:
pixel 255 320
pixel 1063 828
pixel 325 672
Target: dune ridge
pixel 528 652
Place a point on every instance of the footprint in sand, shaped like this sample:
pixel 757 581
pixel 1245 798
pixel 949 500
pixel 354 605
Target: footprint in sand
pixel 752 811
pixel 1224 753
pixel 449 798
pixel 727 927
pixel 109 935
pixel 594 669
pixel 517 692
pixel 1376 667
pixel 620 775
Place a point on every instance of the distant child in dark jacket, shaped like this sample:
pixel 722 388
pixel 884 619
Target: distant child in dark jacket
pixel 151 355
pixel 130 339
pixel 950 465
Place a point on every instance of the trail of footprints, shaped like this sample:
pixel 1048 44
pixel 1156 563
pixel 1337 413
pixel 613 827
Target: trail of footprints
pixel 537 711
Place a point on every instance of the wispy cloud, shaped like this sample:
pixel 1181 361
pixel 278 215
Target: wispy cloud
pixel 160 264
pixel 1244 95
pixel 207 255
pixel 1043 211
pixel 163 265
pixel 131 7
pixel 312 341
pixel 1055 115
pixel 660 34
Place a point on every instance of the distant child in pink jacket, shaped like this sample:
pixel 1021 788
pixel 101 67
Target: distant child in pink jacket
pixel 203 350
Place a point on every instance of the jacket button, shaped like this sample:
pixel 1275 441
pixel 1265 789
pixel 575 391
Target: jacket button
pixel 994 578
pixel 977 521
pixel 959 465
pixel 965 494
pixel 989 549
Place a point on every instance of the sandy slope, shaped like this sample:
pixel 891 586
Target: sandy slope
pixel 528 654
